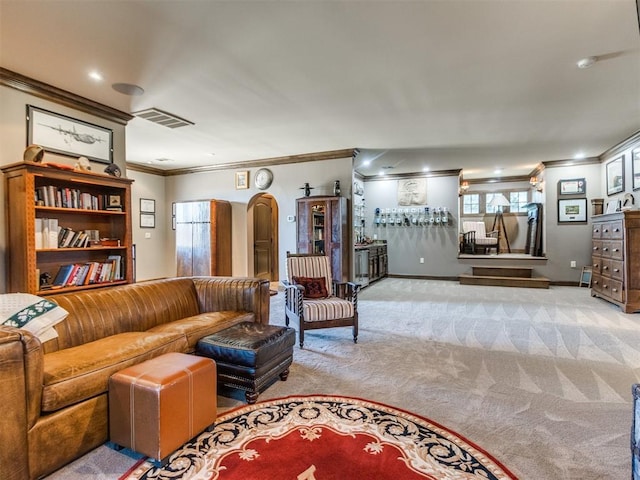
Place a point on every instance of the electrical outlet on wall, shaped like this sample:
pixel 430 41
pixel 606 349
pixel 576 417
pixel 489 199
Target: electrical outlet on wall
pixel 573 264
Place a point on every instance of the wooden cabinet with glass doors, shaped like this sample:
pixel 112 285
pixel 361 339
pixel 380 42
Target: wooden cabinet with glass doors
pixel 323 229
pixel 66 221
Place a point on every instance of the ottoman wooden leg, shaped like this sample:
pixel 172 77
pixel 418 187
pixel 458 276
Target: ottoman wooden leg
pixel 284 375
pixel 252 397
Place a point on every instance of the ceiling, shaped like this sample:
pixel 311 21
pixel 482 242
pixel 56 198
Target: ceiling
pixel 472 85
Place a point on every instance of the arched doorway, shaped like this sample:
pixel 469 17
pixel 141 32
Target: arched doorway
pixel 263 228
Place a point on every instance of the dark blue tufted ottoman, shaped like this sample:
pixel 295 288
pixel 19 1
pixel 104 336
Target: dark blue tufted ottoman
pixel 250 356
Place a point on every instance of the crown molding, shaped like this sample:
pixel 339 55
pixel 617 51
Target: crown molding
pixel 628 142
pixel 265 162
pixel 571 162
pixel 54 94
pixel 511 179
pixel 402 176
pixel 136 167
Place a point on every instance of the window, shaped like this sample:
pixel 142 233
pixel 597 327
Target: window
pixel 519 201
pixel 479 203
pixel 470 203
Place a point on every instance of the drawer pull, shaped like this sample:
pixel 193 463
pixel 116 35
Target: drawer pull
pixel 595 249
pixel 616 250
pixel 605 249
pixel 616 270
pixel 606 230
pixel 614 289
pixel 605 268
pixel 596 282
pixel 616 229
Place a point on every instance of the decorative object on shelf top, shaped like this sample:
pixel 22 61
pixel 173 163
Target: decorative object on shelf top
pixel 82 164
pixel 33 153
pixel 307 189
pixel 336 188
pixel 113 170
pixel 464 186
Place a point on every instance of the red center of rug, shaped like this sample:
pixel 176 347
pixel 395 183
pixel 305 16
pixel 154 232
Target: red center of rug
pixel 322 454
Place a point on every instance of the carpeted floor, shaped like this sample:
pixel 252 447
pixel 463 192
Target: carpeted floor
pixel 541 379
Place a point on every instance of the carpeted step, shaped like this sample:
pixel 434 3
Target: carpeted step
pixel 493 271
pixel 502 281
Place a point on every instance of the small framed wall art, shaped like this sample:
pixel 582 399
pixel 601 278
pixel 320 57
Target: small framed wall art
pixel 147 220
pixel 615 176
pixel 572 210
pixel 147 205
pixel 242 180
pixel 574 186
pixel 635 167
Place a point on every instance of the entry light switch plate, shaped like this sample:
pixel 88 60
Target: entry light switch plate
pixel 147 235
pixel 291 218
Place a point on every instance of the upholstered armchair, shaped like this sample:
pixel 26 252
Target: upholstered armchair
pixel 313 300
pixel 475 238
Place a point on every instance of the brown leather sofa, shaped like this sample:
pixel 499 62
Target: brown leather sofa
pixel 54 395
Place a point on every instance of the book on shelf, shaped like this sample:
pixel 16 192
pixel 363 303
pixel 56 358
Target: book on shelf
pixel 51 196
pixel 79 274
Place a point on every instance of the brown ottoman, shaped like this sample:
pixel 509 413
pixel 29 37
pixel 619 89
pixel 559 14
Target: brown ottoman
pixel 250 356
pixel 158 405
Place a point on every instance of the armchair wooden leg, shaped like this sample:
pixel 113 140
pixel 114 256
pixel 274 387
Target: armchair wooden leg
pixel 301 334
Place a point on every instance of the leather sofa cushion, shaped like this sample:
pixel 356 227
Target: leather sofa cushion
pixel 79 373
pixel 198 326
pixel 100 313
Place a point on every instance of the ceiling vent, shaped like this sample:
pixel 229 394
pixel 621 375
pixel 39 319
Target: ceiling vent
pixel 162 118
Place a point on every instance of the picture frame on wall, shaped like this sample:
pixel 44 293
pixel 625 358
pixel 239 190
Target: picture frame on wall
pixel 69 136
pixel 572 210
pixel 615 176
pixel 242 180
pixel 574 186
pixel 635 168
pixel 147 205
pixel 147 220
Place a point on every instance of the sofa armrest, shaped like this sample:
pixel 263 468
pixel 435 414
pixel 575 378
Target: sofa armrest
pixel 21 380
pixel 217 294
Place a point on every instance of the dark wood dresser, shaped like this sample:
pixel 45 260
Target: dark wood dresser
pixel 616 259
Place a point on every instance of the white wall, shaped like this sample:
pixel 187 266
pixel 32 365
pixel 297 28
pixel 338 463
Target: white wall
pixel 288 179
pixel 151 243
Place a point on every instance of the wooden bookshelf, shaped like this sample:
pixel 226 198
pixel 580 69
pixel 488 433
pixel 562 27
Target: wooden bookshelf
pixel 23 205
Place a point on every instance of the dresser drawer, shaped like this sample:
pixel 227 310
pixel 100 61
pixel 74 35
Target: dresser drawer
pixel 612 288
pixel 596 282
pixel 614 248
pixel 597 231
pixel 596 264
pixel 605 267
pixel 617 270
pixel 616 230
pixel 596 249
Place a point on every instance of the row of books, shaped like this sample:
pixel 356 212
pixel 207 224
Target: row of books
pixel 52 196
pixel 68 238
pixel 49 234
pixel 78 274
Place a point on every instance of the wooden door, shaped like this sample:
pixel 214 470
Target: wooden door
pixel 263 238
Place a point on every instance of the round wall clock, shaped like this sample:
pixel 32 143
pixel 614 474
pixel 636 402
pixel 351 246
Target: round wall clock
pixel 263 178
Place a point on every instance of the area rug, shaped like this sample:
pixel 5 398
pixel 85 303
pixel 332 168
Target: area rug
pixel 322 438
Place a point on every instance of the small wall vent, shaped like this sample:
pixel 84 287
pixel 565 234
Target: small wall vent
pixel 168 120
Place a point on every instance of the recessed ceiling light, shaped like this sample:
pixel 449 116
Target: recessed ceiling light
pixel 366 163
pixel 586 62
pixel 497 171
pixel 579 155
pixel 425 169
pixel 95 75
pixel 381 173
pixel 128 89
